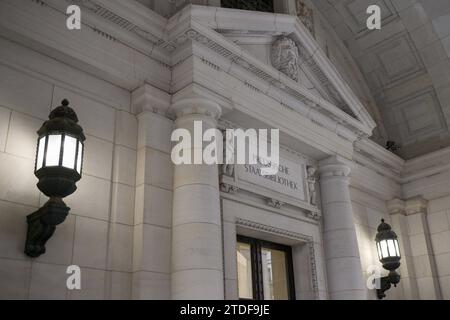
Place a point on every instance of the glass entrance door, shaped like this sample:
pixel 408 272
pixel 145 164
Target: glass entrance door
pixel 264 270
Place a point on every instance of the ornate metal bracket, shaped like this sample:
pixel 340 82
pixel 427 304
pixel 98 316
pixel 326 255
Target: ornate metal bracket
pixel 42 224
pixel 385 283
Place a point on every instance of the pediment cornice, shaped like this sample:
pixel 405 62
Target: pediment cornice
pixel 160 40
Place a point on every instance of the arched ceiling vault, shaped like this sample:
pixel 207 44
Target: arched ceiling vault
pixel 406 65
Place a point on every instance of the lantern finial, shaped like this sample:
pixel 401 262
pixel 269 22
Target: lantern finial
pixel 64 111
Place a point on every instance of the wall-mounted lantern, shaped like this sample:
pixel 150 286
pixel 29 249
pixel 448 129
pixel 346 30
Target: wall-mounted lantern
pixel 59 162
pixel 389 256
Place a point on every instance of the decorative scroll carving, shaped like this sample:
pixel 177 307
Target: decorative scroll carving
pixel 306 15
pixel 228 188
pixel 312 178
pixel 274 203
pixel 313 215
pixel 285 57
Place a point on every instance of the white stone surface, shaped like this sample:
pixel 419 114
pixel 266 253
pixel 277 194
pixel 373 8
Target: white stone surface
pixel 90 243
pixel 24 93
pixel 22 136
pixel 48 282
pixel 92 285
pixel 124 165
pixel 154 168
pixel 126 129
pixel 151 286
pixel 120 240
pixel 156 250
pixel 17 181
pixel 122 210
pixel 15 278
pixel 153 206
pixel 91 199
pixel 97 159
pixel 5 115
pixel 340 242
pixel 120 285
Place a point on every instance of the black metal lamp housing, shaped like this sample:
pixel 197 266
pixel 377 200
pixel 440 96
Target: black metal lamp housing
pixel 59 163
pixel 389 256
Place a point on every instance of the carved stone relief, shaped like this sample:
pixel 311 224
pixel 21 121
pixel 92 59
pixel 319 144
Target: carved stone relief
pixel 274 203
pixel 285 57
pixel 311 179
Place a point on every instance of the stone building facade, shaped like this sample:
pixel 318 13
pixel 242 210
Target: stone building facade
pixel 141 227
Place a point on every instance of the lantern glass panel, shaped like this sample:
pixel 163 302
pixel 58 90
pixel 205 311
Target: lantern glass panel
pixel 70 148
pixel 384 249
pixel 79 156
pixel 397 248
pixel 379 251
pixel 53 150
pixel 391 248
pixel 40 153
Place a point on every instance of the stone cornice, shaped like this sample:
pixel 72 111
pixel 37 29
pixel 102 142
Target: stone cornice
pixel 427 165
pixel 139 29
pixel 98 48
pixel 370 154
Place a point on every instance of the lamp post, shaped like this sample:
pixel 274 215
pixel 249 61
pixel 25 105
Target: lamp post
pixel 389 256
pixel 59 162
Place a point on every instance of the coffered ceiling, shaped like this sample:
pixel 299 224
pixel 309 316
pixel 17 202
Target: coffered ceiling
pixel 406 65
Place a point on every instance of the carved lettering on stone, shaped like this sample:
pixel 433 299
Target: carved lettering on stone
pixel 285 57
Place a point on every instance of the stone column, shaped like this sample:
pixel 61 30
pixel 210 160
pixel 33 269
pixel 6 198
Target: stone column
pixel 197 264
pixel 345 280
pixel 153 195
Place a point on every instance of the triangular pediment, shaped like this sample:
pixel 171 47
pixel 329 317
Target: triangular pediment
pixel 250 35
pixel 310 75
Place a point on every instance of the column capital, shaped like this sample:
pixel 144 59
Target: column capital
pixel 407 207
pixel 396 206
pixel 334 167
pixel 416 205
pixel 196 106
pixel 150 99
